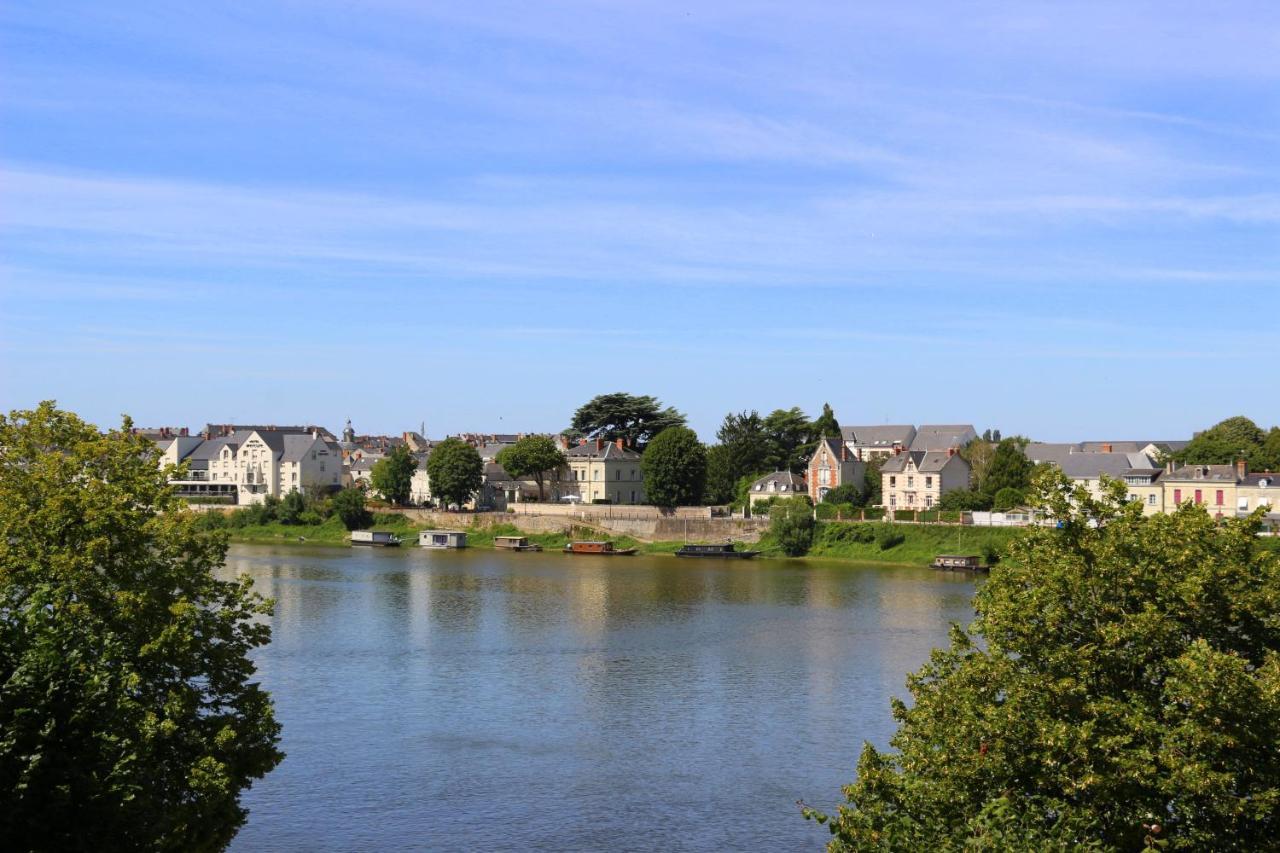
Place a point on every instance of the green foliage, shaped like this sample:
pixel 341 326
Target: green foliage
pixel 873 494
pixel 532 456
pixel 675 468
pixel 990 553
pixel 1123 691
pixel 832 511
pixel 456 472
pixel 720 478
pixel 825 426
pixel 348 505
pixel 747 442
pixel 788 432
pixel 846 493
pixel 129 714
pixel 1009 469
pixel 1225 442
pixel 964 500
pixel 791 525
pixel 292 507
pixel 889 536
pixel 1008 498
pixel 637 420
pixel 979 454
pixel 392 475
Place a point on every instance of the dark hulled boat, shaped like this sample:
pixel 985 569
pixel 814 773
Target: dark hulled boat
pixel 600 549
pixel 726 550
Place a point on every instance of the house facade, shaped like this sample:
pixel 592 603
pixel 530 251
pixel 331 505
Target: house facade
pixel 918 479
pixel 832 465
pixel 599 471
pixel 779 484
pixel 1210 486
pixel 877 442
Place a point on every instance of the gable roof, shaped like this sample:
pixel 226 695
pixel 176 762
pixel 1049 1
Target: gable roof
pixel 782 480
pixel 879 436
pixel 926 461
pixel 609 451
pixel 942 436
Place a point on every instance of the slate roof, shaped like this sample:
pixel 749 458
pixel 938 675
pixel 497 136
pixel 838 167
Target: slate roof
pixel 879 436
pixel 942 436
pixel 1203 473
pixel 926 461
pixel 784 481
pixel 609 451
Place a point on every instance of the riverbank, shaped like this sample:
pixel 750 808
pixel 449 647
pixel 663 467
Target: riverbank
pixel 853 542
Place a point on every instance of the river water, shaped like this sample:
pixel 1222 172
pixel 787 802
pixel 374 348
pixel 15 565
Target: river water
pixel 473 700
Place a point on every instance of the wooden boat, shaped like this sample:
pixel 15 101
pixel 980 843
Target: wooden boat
pixel 515 543
pixel 374 538
pixel 600 549
pixel 959 563
pixel 442 539
pixel 725 551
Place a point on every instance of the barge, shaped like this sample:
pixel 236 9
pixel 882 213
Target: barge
pixel 374 538
pixel 515 543
pixel 725 551
pixel 599 549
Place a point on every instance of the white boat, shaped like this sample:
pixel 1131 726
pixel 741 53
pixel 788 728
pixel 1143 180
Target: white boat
pixel 376 538
pixel 442 539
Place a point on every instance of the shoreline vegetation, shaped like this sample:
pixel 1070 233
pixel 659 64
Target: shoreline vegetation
pixel 833 541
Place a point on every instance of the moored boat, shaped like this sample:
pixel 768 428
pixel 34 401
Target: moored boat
pixel 959 563
pixel 442 539
pixel 722 550
pixel 515 543
pixel 374 538
pixel 600 549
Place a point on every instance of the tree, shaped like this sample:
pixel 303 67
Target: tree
pixel 129 714
pixel 1008 498
pixel 825 426
pixel 719 488
pixel 788 432
pixel 291 507
pixel 1225 442
pixel 675 468
pixel 1009 469
pixel 874 492
pixel 986 435
pixel 846 493
pixel 532 456
pixel 636 420
pixel 791 525
pixel 348 505
pixel 979 454
pixel 1120 687
pixel 455 470
pixel 747 443
pixel 392 475
pixel 964 500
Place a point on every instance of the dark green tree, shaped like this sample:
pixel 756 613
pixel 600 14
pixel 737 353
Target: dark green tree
pixel 873 494
pixel 130 718
pixel 964 500
pixel 1225 442
pixel 675 468
pixel 791 525
pixel 1008 498
pixel 1120 690
pixel 1009 468
pixel 825 426
pixel 788 431
pixel 747 441
pixel 291 507
pixel 532 456
pixel 348 505
pixel 392 475
pixel 455 471
pixel 847 493
pixel 720 479
pixel 634 419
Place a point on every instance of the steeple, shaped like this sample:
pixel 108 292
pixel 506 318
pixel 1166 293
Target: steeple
pixel 349 434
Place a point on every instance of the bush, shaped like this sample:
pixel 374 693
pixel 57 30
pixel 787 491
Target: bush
pixel 1008 498
pixel 841 533
pixel 845 494
pixel 889 536
pixel 965 500
pixel 348 505
pixel 310 518
pixel 292 507
pixel 990 554
pixel 791 525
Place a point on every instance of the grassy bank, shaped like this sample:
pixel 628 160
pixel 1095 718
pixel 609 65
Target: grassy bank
pixel 920 543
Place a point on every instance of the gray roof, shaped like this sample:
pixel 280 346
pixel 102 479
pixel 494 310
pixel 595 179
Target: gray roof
pixel 942 436
pixel 362 464
pixel 926 461
pixel 784 480
pixel 879 436
pixel 1088 466
pixel 608 451
pixel 1202 473
pixel 296 447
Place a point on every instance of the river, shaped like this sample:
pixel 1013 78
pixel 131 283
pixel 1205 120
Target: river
pixel 475 700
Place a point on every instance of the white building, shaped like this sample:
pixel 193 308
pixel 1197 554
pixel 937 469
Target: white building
pixel 266 462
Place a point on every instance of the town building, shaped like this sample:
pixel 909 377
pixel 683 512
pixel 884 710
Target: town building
pixel 833 464
pixel 599 471
pixel 779 484
pixel 877 442
pixel 942 437
pixel 271 463
pixel 1210 486
pixel 918 479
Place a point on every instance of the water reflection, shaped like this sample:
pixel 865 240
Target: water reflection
pixel 578 703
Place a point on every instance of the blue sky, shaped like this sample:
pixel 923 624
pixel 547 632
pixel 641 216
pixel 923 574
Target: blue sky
pixel 1061 220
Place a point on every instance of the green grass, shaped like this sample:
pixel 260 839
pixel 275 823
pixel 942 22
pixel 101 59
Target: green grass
pixel 921 543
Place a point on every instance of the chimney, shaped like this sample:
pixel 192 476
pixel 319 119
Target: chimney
pixel 599 444
pixel 1242 468
pixel 621 444
pixel 951 451
pixel 844 452
pixel 1168 467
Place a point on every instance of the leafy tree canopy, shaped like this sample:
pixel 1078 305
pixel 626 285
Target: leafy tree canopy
pixel 392 475
pixel 788 431
pixel 1009 467
pixel 964 500
pixel 455 471
pixel 720 479
pixel 675 468
pixel 1120 687
pixel 825 426
pixel 532 456
pixel 791 525
pixel 1225 442
pixel 1008 498
pixel 634 419
pixel 129 714
pixel 846 493
pixel 747 443
pixel 348 505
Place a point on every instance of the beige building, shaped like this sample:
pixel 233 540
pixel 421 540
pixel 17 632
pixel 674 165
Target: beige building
pixel 919 478
pixel 779 484
pixel 599 471
pixel 1210 486
pixel 832 465
pixel 273 463
pixel 1261 490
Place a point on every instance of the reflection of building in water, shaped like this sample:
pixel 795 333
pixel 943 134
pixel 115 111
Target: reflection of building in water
pixel 589 599
pixel 419 604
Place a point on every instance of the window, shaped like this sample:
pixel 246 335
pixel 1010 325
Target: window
pixel 1177 496
pixel 928 501
pixel 1242 503
pixel 893 500
pixel 1217 498
pixel 893 481
pixel 911 482
pixel 1151 500
pixel 1199 497
pixel 617 475
pixel 928 482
